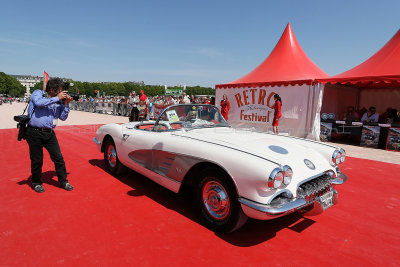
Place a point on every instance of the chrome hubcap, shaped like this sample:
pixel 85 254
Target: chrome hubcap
pixel 216 200
pixel 111 156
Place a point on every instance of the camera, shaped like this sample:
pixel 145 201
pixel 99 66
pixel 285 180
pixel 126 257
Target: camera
pixel 66 86
pixel 22 125
pixel 22 118
pixel 75 97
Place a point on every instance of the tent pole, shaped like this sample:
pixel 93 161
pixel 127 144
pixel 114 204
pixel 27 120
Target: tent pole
pixel 306 130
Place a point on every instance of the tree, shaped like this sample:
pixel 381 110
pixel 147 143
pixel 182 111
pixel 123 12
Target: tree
pixel 10 86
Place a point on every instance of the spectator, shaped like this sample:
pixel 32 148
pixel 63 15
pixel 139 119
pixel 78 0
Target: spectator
pixel 134 101
pixel 277 113
pixel 361 112
pixel 143 101
pixel 351 115
pixel 186 99
pixel 392 117
pixel 212 101
pixel 371 116
pixel 384 115
pixel 225 106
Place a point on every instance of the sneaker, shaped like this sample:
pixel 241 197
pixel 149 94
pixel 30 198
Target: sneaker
pixel 67 186
pixel 38 188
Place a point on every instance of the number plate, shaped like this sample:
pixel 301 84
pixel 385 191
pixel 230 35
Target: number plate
pixel 326 200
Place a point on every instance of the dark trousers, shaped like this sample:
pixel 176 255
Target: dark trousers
pixel 134 116
pixel 37 140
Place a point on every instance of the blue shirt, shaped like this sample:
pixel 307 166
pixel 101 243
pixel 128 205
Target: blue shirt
pixel 46 109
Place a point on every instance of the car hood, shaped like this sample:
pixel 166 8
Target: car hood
pixel 281 150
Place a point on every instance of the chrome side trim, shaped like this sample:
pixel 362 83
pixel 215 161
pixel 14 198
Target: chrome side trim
pixel 96 141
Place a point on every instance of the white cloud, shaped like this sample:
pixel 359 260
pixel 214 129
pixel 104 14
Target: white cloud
pixel 20 42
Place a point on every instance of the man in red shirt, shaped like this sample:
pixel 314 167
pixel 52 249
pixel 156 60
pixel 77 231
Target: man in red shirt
pixel 142 105
pixel 142 96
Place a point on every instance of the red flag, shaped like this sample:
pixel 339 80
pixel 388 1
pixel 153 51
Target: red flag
pixel 45 80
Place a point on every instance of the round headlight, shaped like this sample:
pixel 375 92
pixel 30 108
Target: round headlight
pixel 336 157
pixel 275 180
pixel 278 180
pixel 287 175
pixel 343 157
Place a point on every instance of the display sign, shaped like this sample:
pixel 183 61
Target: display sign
pixel 393 139
pixel 370 136
pixel 173 91
pixel 325 131
pixel 172 116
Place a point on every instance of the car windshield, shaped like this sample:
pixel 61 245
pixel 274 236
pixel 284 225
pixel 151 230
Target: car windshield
pixel 190 116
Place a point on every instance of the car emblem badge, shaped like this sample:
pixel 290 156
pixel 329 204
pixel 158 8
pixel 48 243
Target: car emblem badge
pixel 309 164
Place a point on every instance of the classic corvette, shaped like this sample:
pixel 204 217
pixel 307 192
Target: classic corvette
pixel 233 174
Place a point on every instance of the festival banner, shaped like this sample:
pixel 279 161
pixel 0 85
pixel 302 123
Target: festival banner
pixel 370 136
pixel 393 139
pixel 252 107
pixel 325 131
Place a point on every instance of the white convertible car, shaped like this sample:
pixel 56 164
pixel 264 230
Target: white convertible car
pixel 234 174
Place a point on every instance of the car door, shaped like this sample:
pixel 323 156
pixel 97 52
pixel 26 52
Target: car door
pixel 136 147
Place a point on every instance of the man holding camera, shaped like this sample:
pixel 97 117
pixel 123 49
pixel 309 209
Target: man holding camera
pixel 44 113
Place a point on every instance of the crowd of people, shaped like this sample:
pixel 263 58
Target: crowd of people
pixel 9 100
pixel 371 116
pixel 136 106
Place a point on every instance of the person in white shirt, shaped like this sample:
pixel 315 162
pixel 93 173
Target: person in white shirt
pixel 186 99
pixel 134 101
pixel 370 116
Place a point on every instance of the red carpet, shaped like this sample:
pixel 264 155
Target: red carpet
pixel 129 220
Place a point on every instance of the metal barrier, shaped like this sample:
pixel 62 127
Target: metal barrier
pixel 102 108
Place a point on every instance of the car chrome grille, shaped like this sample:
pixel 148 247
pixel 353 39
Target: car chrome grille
pixel 314 188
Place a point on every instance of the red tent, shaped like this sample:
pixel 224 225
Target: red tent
pixel 286 65
pixel 381 69
pixel 375 82
pixel 287 71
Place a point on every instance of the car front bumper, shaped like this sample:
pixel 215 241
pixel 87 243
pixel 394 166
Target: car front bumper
pixel 260 211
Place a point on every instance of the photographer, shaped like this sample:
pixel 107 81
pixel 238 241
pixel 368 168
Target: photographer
pixel 44 113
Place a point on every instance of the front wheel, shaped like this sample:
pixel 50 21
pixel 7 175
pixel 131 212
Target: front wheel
pixel 217 201
pixel 113 165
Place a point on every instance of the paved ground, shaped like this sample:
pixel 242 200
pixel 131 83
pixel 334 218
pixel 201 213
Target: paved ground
pixel 8 112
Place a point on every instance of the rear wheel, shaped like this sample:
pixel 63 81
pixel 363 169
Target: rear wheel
pixel 113 165
pixel 217 201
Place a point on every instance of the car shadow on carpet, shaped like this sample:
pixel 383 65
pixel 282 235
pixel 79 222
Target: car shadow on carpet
pixel 252 233
pixel 48 177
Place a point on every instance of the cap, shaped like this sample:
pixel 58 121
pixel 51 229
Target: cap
pixel 141 91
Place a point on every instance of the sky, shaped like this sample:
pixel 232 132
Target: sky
pixel 184 42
